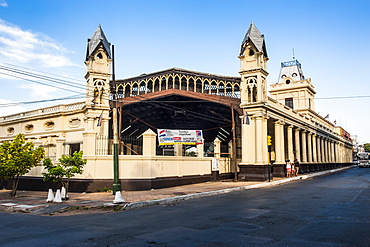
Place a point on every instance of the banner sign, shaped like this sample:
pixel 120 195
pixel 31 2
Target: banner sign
pixel 187 137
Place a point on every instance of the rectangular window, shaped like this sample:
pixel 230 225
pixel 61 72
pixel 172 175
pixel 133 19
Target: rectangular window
pixel 75 147
pixel 289 102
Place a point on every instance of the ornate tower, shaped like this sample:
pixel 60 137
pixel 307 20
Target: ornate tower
pixel 293 89
pixel 253 59
pixel 98 71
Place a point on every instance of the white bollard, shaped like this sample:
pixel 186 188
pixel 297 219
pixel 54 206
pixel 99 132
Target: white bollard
pixel 50 196
pixel 63 193
pixel 57 198
pixel 118 198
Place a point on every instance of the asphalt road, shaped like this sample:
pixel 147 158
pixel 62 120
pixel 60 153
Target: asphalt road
pixel 331 210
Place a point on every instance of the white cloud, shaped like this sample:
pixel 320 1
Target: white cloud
pixel 26 47
pixel 3 4
pixel 9 110
pixel 39 91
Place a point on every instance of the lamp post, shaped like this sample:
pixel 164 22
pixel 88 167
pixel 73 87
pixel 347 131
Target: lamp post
pixel 116 182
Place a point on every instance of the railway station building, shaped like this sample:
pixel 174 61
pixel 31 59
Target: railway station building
pixel 249 129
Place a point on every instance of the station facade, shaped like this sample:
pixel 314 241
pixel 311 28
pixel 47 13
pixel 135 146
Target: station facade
pixel 239 117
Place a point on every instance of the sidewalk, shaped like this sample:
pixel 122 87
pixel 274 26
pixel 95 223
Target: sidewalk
pixel 35 201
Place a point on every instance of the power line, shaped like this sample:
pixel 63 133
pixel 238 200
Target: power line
pixel 45 84
pixel 40 76
pixel 40 101
pixel 47 73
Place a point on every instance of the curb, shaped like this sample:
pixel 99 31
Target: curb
pixel 134 205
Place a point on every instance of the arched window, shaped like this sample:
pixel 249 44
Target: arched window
pixel 163 84
pixel 206 87
pixel 127 90
pixel 229 90
pixel 177 82
pixel 170 82
pixel 120 92
pixel 142 88
pixel 213 88
pixel 184 85
pixel 191 85
pixel 199 86
pixel 236 91
pixel 156 85
pixel 135 89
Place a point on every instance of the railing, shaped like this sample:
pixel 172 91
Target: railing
pixel 47 110
pixel 182 80
pixel 127 145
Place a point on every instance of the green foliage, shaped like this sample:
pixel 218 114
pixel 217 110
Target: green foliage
pixel 68 167
pixel 367 147
pixel 191 153
pixel 17 158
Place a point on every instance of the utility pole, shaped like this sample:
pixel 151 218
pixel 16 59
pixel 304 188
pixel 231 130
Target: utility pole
pixel 234 143
pixel 116 182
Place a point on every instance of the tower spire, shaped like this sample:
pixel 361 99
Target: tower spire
pixel 253 59
pixel 253 36
pixel 94 42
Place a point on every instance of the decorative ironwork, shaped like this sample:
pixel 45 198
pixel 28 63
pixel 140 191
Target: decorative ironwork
pixel 178 79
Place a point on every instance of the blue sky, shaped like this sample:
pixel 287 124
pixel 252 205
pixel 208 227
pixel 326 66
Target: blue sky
pixel 330 39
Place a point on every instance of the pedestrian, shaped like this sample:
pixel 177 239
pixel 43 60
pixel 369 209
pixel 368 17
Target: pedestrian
pixel 296 165
pixel 288 168
pixel 293 171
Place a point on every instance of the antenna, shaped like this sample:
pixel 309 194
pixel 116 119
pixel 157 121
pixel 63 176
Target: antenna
pixel 293 54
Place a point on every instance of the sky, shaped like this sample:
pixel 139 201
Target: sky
pixel 330 38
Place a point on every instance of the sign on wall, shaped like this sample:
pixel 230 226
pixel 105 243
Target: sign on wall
pixel 187 137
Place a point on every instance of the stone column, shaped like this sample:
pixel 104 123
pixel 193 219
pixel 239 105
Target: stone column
pixel 200 149
pixel 327 150
pixel 297 145
pixel 323 157
pixel 177 149
pixel 279 142
pixel 248 142
pixel 319 149
pixel 149 143
pixel 309 148
pixel 217 148
pixel 304 147
pixel 261 141
pixel 264 141
pixel 314 148
pixel 332 152
pixel 59 146
pixel 89 142
pixel 290 142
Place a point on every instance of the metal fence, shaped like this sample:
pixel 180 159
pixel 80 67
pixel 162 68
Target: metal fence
pixel 128 145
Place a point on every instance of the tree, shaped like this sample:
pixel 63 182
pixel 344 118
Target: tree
pixel 367 147
pixel 17 158
pixel 68 166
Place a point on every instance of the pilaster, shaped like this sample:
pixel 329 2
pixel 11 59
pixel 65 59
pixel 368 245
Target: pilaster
pixel 290 142
pixel 297 145
pixel 309 148
pixel 304 146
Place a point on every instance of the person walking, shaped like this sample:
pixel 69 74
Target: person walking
pixel 288 169
pixel 296 165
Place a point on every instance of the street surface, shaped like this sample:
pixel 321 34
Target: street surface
pixel 332 210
